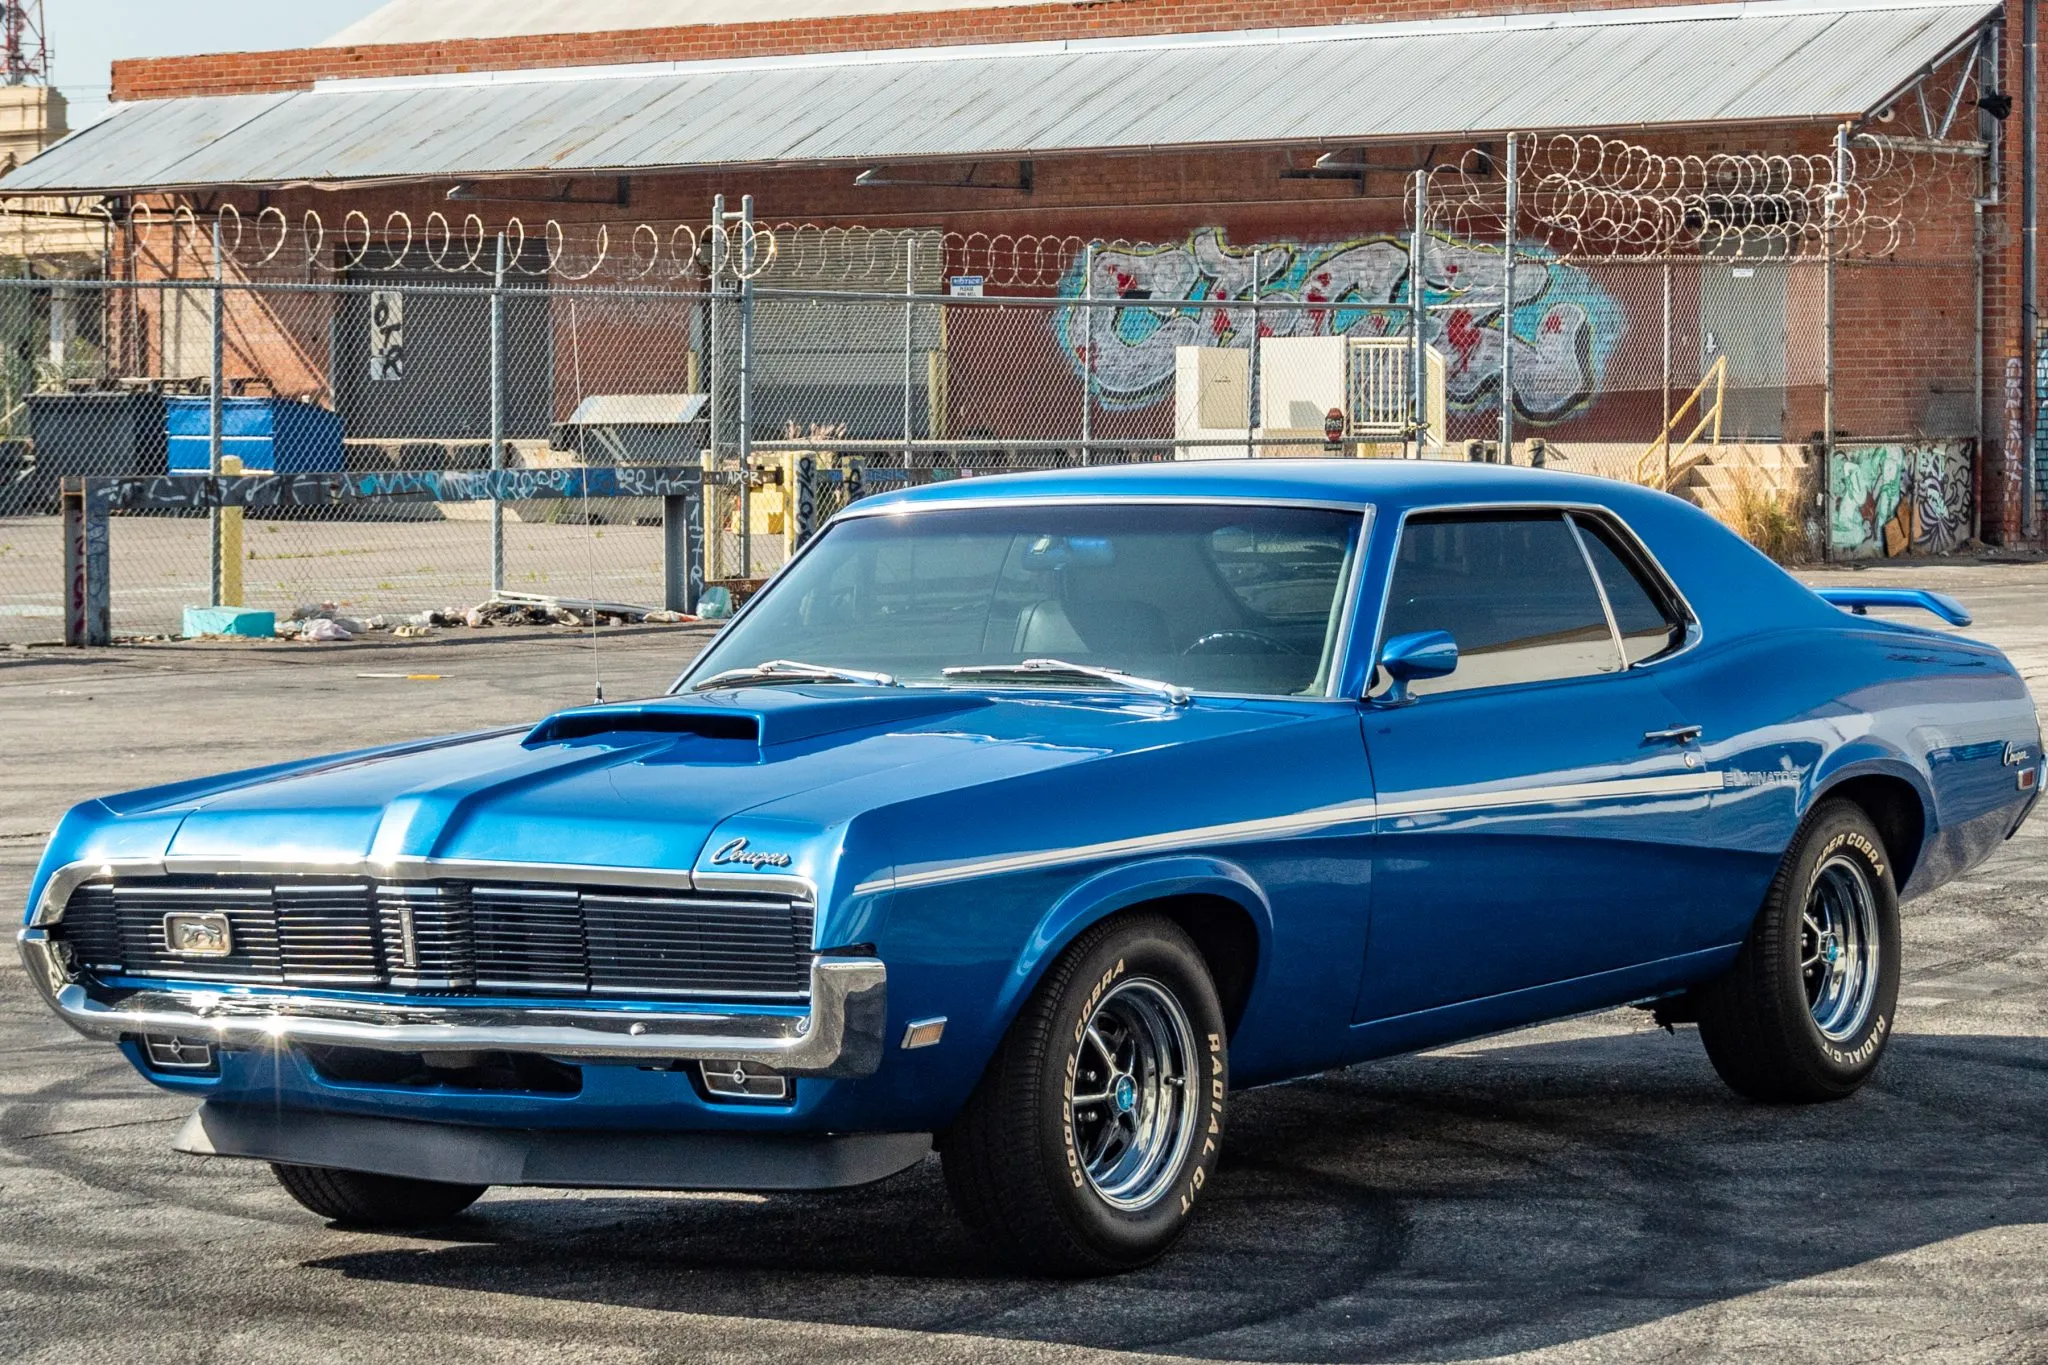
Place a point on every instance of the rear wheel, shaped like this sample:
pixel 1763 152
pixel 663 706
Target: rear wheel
pixel 1805 1012
pixel 374 1201
pixel 1100 1119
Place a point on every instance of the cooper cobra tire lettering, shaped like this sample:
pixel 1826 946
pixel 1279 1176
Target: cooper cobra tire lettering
pixel 1809 1004
pixel 1017 1163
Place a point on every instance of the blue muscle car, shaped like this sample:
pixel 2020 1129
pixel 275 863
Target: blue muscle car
pixel 1029 818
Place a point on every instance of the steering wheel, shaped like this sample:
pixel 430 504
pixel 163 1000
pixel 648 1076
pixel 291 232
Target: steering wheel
pixel 1235 642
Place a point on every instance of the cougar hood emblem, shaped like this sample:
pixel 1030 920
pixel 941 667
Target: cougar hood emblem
pixel 737 851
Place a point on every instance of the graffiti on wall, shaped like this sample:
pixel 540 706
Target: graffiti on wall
pixel 1564 328
pixel 1893 499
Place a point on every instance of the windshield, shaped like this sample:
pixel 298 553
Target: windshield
pixel 1215 598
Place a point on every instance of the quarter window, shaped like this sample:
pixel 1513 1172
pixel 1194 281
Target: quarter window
pixel 1643 612
pixel 1512 589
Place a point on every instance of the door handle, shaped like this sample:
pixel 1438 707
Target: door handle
pixel 1677 734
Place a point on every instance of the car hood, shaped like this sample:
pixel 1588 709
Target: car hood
pixel 648 784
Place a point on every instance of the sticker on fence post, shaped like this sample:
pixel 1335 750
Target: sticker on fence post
pixel 387 335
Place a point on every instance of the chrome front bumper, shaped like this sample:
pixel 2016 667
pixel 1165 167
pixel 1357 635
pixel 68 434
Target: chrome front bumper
pixel 842 1036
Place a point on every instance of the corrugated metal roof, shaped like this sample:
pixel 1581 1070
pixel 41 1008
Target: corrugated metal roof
pixel 1668 66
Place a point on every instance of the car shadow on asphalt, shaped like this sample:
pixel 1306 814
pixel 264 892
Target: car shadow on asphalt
pixel 1433 1208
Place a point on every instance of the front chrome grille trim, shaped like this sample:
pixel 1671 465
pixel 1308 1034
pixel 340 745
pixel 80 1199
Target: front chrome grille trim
pixel 451 937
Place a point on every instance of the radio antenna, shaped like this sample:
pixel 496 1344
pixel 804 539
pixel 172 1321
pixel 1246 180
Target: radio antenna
pixel 27 51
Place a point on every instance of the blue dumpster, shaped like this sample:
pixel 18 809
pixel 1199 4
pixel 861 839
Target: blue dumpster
pixel 269 435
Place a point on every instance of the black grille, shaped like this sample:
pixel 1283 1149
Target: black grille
pixel 663 945
pixel 452 937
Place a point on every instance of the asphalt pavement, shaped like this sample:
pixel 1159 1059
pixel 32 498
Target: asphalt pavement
pixel 1585 1191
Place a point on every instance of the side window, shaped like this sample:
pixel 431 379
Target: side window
pixel 1648 621
pixel 1511 589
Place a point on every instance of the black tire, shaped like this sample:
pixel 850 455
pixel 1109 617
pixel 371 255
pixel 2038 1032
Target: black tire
pixel 1761 1021
pixel 363 1200
pixel 1021 1159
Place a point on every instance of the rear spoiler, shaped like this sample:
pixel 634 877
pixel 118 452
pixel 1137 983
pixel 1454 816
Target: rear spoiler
pixel 1861 600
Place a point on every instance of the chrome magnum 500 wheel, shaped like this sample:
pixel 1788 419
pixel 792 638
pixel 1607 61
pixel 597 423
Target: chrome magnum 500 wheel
pixel 1806 1010
pixel 1098 1123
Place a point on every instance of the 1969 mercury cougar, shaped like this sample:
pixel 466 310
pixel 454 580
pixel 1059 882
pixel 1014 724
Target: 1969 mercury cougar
pixel 1031 818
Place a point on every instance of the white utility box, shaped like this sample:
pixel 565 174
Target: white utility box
pixel 1212 402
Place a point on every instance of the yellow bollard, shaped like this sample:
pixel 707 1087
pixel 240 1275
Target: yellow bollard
pixel 231 542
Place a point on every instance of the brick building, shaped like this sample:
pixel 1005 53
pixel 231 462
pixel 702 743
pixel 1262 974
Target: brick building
pixel 1203 132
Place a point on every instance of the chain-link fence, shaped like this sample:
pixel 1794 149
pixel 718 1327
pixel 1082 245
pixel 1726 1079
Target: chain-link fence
pixel 359 355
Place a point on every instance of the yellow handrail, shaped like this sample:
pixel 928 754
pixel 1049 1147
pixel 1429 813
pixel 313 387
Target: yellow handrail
pixel 1717 375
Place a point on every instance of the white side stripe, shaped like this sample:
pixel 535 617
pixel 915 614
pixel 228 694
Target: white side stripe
pixel 1302 822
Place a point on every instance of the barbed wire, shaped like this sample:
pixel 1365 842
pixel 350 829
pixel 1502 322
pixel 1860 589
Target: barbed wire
pixel 1586 197
pixel 785 253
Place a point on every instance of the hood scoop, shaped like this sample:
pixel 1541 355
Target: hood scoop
pixel 638 721
pixel 760 716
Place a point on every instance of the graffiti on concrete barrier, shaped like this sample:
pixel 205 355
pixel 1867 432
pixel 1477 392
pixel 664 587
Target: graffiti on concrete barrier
pixel 1894 499
pixel 1564 328
pixel 201 492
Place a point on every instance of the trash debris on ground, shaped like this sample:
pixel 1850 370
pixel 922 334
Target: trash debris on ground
pixel 324 628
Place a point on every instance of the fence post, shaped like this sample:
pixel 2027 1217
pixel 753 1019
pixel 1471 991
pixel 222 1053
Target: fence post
pixel 1418 314
pixel 215 519
pixel 87 601
pixel 745 270
pixel 909 336
pixel 1251 369
pixel 498 419
pixel 1664 384
pixel 678 584
pixel 1507 303
pixel 1836 194
pixel 1088 356
pixel 715 351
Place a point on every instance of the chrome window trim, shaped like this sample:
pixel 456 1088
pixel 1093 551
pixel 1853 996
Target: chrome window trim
pixel 1600 591
pixel 1340 648
pixel 67 879
pixel 1695 632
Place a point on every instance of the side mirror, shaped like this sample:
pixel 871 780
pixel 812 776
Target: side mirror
pixel 1424 654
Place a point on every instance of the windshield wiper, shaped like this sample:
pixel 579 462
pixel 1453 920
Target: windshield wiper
pixel 1060 669
pixel 790 671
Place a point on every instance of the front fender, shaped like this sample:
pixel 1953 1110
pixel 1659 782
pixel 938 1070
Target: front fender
pixel 1103 894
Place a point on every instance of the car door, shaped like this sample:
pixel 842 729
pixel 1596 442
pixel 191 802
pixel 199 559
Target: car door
pixel 1536 804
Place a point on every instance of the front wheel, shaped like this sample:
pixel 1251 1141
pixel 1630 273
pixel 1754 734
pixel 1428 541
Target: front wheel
pixel 364 1200
pixel 1099 1120
pixel 1805 1012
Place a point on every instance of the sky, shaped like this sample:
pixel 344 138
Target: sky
pixel 86 36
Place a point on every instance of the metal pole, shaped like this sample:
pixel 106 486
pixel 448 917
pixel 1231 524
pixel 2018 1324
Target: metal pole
pixel 1664 382
pixel 715 351
pixel 1507 303
pixel 498 418
pixel 2029 255
pixel 909 338
pixel 1088 356
pixel 746 432
pixel 213 423
pixel 1827 351
pixel 1417 313
pixel 1251 388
